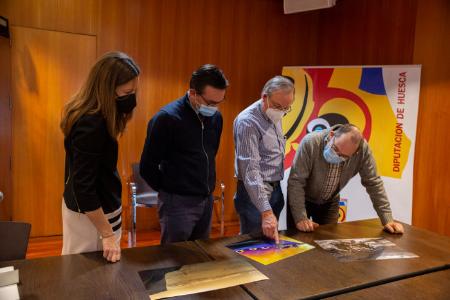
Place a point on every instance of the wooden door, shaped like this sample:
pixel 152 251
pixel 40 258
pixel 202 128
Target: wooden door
pixel 47 68
pixel 5 127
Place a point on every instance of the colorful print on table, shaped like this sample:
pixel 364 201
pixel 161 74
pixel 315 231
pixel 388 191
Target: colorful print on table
pixel 267 252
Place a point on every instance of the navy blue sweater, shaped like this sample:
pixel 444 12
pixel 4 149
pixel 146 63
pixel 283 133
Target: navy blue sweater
pixel 180 150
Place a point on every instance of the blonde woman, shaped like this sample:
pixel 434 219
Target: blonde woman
pixel 91 122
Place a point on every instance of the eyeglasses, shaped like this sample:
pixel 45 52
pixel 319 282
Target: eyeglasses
pixel 336 149
pixel 288 110
pixel 281 108
pixel 210 102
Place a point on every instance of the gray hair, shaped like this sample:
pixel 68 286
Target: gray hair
pixel 277 83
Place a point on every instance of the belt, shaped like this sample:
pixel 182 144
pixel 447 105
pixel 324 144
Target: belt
pixel 273 184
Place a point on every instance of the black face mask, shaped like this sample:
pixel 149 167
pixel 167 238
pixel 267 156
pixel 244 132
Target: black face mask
pixel 126 104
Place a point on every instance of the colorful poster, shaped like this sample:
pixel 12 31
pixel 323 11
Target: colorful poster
pixel 383 102
pixel 267 252
pixel 342 210
pixel 364 249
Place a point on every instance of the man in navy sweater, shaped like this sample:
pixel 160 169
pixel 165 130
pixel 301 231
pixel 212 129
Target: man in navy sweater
pixel 178 160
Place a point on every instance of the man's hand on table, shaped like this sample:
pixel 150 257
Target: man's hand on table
pixel 269 225
pixel 394 227
pixel 306 225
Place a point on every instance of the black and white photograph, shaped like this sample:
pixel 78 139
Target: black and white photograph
pixel 364 249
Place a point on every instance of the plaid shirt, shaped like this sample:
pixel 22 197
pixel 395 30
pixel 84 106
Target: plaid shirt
pixel 259 151
pixel 309 172
pixel 332 181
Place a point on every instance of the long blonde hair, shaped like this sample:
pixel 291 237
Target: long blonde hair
pixel 98 93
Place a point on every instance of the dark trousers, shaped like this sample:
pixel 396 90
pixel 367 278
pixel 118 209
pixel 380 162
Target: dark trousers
pixel 184 218
pixel 326 213
pixel 250 217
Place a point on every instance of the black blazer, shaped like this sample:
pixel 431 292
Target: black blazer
pixel 180 150
pixel 91 177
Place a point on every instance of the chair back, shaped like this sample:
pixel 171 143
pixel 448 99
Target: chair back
pixel 144 193
pixel 14 240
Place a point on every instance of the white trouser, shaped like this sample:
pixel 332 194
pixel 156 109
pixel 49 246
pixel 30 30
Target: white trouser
pixel 80 235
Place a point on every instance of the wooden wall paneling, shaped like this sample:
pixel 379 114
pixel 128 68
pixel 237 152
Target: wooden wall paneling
pixel 119 29
pixel 250 40
pixel 431 207
pixel 36 14
pixel 47 68
pixel 80 16
pixel 5 129
pixel 369 32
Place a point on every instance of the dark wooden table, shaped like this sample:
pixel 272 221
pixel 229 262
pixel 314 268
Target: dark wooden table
pixel 89 276
pixel 313 274
pixel 434 286
pixel 317 274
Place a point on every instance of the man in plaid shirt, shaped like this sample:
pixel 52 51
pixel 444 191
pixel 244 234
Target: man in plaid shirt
pixel 324 163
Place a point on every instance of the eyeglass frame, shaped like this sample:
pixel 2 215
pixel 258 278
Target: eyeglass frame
pixel 279 107
pixel 338 152
pixel 208 101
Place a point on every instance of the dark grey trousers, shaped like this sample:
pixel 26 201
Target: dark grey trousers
pixel 326 213
pixel 184 218
pixel 249 216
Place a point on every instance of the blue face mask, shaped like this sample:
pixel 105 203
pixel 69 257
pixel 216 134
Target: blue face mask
pixel 207 111
pixel 331 156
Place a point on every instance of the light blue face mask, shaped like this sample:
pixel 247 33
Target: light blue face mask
pixel 331 156
pixel 207 111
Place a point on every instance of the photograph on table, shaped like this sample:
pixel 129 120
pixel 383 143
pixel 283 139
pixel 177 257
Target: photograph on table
pixel 364 249
pixel 155 279
pixel 197 278
pixel 266 252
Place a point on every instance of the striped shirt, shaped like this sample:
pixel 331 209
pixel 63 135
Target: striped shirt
pixel 332 181
pixel 115 219
pixel 259 153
